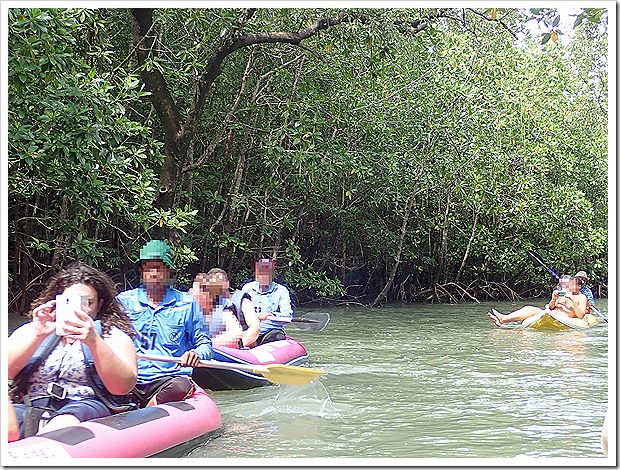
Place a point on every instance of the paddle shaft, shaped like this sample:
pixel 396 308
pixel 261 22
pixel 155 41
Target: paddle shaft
pixel 535 257
pixel 211 364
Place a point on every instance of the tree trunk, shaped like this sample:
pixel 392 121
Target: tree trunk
pixel 442 263
pixel 401 241
pixel 176 141
pixel 471 239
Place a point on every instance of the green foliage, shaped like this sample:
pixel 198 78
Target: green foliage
pixel 77 178
pixel 183 257
pixel 503 147
pixel 303 277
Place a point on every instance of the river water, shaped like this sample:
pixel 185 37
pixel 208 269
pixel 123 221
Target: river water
pixel 426 382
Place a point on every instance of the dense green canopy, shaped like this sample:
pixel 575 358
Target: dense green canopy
pixel 380 154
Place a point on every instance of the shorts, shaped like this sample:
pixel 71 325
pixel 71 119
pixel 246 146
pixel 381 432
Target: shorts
pixel 275 334
pixel 166 389
pixel 83 410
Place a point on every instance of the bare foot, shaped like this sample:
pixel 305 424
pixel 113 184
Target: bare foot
pixel 495 317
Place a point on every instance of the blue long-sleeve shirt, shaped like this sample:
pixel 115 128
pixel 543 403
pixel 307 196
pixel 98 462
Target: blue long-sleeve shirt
pixel 276 299
pixel 171 329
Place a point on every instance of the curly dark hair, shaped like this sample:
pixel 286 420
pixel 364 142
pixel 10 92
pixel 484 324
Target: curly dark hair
pixel 111 312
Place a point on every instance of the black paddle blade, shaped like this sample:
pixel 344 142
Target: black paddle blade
pixel 313 321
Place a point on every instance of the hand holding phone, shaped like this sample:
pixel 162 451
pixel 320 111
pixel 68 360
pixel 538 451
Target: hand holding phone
pixel 66 305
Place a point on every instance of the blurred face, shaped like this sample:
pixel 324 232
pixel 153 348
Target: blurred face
pixel 573 286
pixel 202 295
pixel 564 284
pixel 218 284
pixel 264 276
pixel 155 273
pixel 94 303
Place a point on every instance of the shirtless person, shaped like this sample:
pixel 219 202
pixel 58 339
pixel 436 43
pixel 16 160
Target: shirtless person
pixel 572 304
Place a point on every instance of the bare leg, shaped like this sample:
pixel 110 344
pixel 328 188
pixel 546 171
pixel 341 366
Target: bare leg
pixel 522 313
pixel 13 424
pixel 499 318
pixel 59 422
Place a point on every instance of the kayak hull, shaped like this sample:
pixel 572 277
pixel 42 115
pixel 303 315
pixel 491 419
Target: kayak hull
pixel 557 322
pixel 166 430
pixel 288 352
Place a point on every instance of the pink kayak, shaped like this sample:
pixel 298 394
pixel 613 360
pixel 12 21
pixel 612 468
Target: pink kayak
pixel 167 430
pixel 287 351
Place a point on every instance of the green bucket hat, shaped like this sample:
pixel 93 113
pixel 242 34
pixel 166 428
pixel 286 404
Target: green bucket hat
pixel 155 249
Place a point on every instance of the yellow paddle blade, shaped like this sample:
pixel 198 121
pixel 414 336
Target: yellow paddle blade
pixel 288 375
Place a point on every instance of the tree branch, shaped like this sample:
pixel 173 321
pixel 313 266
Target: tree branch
pixel 233 41
pixel 143 40
pixel 229 117
pixel 497 21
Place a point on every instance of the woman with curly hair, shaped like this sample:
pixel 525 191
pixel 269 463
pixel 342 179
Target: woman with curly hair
pixel 78 375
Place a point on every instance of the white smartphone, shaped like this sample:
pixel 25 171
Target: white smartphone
pixel 66 305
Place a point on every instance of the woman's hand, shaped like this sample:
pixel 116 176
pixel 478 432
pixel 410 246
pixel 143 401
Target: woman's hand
pixel 82 328
pixel 44 319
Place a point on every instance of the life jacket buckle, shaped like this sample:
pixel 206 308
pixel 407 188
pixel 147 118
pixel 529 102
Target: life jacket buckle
pixel 57 391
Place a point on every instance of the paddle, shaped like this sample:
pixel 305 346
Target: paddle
pixel 277 373
pixel 536 257
pixel 313 321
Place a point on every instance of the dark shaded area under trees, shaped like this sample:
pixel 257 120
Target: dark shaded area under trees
pixel 380 155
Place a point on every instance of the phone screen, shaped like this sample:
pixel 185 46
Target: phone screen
pixel 65 310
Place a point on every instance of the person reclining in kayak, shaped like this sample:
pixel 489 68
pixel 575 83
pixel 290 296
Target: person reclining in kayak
pixel 269 298
pixel 65 374
pixel 530 310
pixel 571 303
pixel 167 322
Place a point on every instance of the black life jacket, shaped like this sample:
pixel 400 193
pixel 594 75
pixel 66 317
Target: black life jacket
pixel 237 299
pixel 19 388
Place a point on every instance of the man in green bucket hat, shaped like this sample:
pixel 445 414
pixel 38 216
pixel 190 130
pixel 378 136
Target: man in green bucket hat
pixel 155 249
pixel 167 322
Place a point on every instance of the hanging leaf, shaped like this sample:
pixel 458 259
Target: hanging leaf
pixel 494 14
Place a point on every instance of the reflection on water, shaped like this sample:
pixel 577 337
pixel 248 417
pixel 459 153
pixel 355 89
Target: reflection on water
pixel 427 381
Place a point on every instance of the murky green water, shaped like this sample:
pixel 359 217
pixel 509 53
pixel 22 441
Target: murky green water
pixel 427 381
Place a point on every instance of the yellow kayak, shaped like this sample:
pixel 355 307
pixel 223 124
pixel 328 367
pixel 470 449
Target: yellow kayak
pixel 556 321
